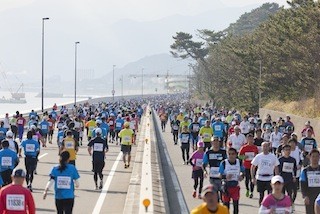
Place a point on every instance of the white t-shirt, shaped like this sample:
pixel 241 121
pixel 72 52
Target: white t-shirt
pixel 296 154
pixel 245 127
pixel 266 165
pixel 237 141
pixel 275 139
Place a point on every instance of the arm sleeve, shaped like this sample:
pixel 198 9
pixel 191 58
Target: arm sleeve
pixel 76 183
pixel 49 184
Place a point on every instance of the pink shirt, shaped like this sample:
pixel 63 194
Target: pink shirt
pixel 197 159
pixel 270 202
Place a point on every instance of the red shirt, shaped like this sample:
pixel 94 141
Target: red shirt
pixel 18 199
pixel 249 151
pixel 21 121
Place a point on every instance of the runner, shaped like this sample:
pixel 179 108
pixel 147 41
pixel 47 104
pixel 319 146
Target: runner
pixel 175 124
pixel 211 202
pixel 163 118
pixel 31 151
pixel 119 126
pixel 13 126
pixel 247 153
pixel 258 140
pixel 111 123
pixel 13 145
pixel 90 126
pixel 185 138
pixel 275 139
pixel 307 144
pixel 14 198
pixel 237 139
pixel 8 161
pixel 296 154
pixel 44 127
pixel 64 177
pixel 213 157
pixel 232 171
pixel 51 123
pixel 194 129
pixel 99 147
pixel 310 181
pixel 70 145
pixel 196 161
pixel 276 202
pixel 267 165
pixel 126 136
pixel 206 134
pixel 218 130
pixel 288 171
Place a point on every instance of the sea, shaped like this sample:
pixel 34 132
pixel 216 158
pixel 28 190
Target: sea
pixel 34 103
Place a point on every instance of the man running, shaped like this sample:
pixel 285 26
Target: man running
pixel 8 161
pixel 126 136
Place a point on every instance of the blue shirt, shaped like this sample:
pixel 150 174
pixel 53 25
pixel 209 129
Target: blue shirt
pixel 64 181
pixel 4 130
pixel 103 135
pixel 105 129
pixel 54 114
pixel 1 181
pixel 202 122
pixel 44 126
pixel 30 147
pixel 60 137
pixel 218 129
pixel 119 124
pixel 8 159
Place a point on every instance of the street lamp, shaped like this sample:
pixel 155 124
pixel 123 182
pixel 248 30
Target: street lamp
pixel 75 72
pixel 42 77
pixel 113 91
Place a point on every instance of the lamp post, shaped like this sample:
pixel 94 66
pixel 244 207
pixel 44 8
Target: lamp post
pixel 113 91
pixel 75 72
pixel 42 66
pixel 142 81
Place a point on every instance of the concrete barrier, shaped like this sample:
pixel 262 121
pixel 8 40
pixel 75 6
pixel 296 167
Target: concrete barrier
pixel 297 121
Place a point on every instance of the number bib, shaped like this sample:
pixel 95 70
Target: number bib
pixel 287 167
pixel 217 128
pixel 132 125
pixel 313 179
pixel 30 148
pixel 6 161
pixel 44 127
pixel 175 127
pixel 308 148
pixel 249 155
pixel 214 172
pixel 20 122
pixel 195 128
pixel 69 145
pixel 118 125
pixel 281 210
pixel 215 156
pixel 265 163
pixel 127 139
pixel 98 147
pixel 15 202
pixel 111 122
pixel 184 139
pixel 63 182
pixel 199 162
pixel 234 172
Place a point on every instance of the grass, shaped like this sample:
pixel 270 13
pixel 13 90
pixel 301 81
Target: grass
pixel 304 108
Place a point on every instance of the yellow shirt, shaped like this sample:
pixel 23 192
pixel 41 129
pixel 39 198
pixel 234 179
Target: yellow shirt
pixel 183 123
pixel 206 134
pixel 91 124
pixel 180 117
pixel 126 136
pixel 202 209
pixel 70 146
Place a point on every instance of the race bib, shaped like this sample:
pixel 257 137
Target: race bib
pixel 195 128
pixel 63 182
pixel 308 148
pixel 234 172
pixel 118 125
pixel 30 148
pixel 69 145
pixel 132 125
pixel 313 179
pixel 215 156
pixel 6 161
pixel 287 167
pixel 217 128
pixel 127 139
pixel 199 162
pixel 206 135
pixel 184 139
pixel 15 202
pixel 98 147
pixel 265 163
pixel 214 172
pixel 111 122
pixel 44 126
pixel 281 210
pixel 20 122
pixel 50 124
pixel 249 155
pixel 175 127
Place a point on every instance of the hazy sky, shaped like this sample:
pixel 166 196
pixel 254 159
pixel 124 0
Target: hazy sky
pixel 95 23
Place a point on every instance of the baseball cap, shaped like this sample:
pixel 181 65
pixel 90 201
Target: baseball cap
pixel 200 144
pixel 98 121
pixel 9 134
pixel 208 188
pixel 126 124
pixel 18 173
pixel 276 179
pixel 98 131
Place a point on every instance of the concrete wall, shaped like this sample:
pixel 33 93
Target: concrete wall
pixel 297 121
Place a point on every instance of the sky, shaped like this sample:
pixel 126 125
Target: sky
pixel 96 24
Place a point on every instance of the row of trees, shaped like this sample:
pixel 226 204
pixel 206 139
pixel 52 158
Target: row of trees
pixel 284 41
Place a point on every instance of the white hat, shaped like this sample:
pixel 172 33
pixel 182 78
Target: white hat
pixel 98 121
pixel 98 131
pixel 9 134
pixel 276 179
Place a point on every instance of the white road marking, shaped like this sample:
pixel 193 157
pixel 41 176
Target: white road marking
pixel 106 186
pixel 43 155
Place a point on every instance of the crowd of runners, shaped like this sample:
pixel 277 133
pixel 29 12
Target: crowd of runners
pixel 23 136
pixel 223 146
pixel 226 147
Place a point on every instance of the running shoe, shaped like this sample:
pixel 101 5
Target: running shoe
pixel 194 194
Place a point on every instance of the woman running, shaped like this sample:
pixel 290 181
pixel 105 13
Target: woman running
pixel 196 160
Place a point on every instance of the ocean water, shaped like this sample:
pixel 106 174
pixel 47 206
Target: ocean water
pixel 33 102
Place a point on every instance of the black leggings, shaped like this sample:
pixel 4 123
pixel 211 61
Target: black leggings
pixel 31 164
pixel 185 151
pixel 235 206
pixel 64 206
pixel 248 180
pixel 175 136
pixel 196 183
pixel 163 125
pixel 6 177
